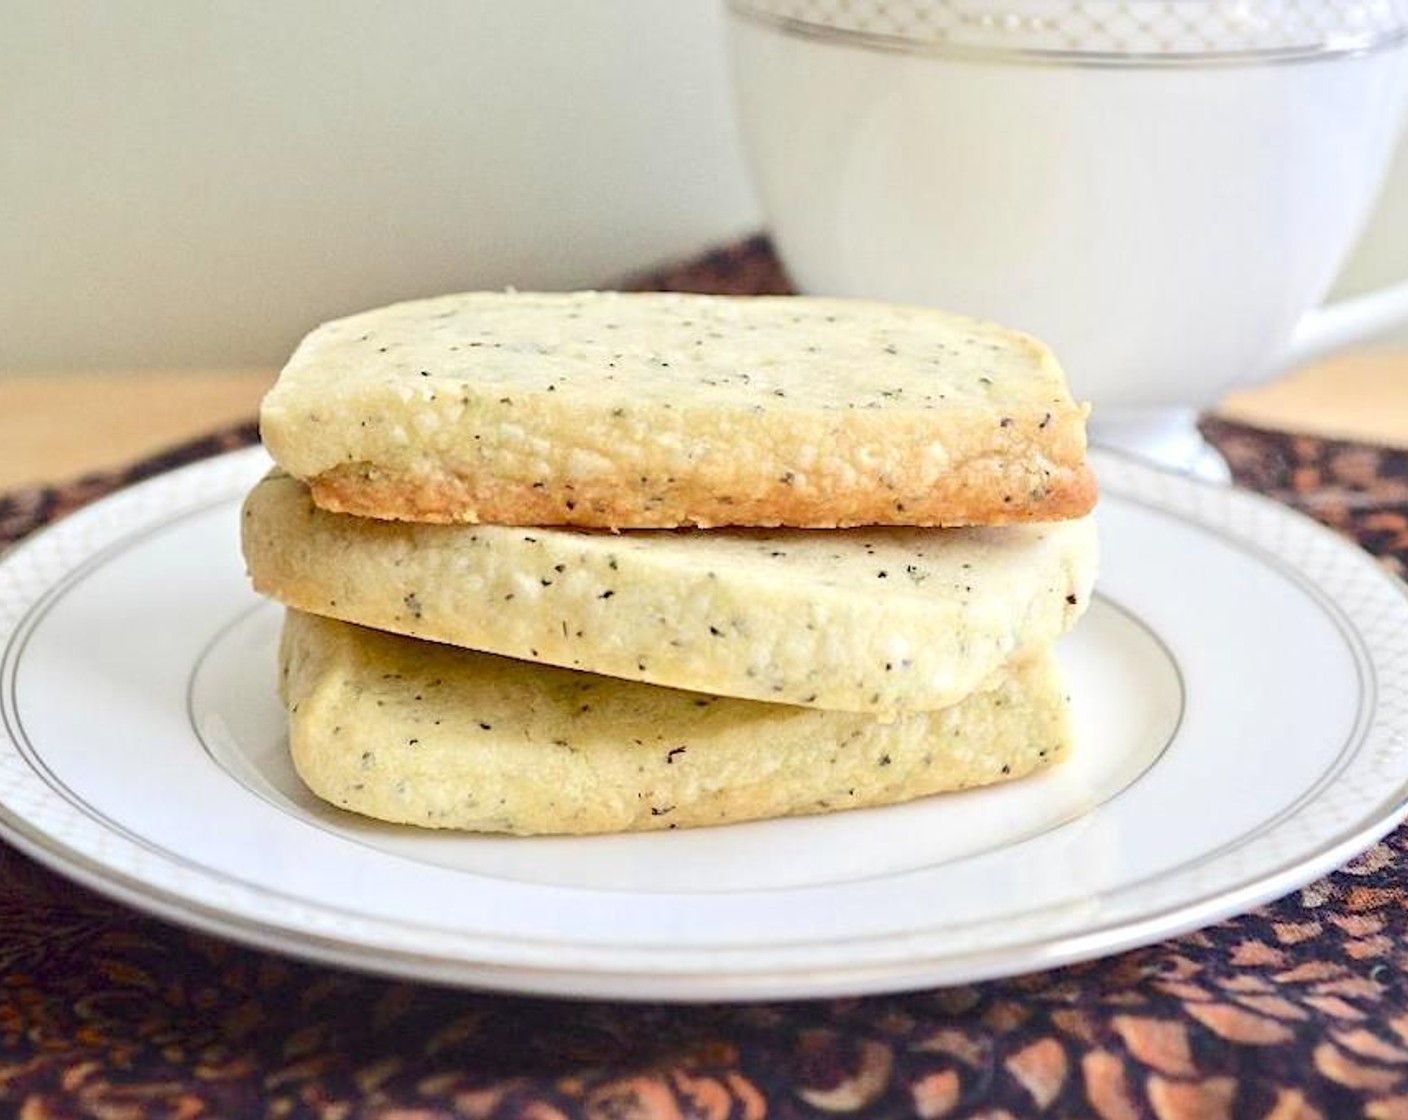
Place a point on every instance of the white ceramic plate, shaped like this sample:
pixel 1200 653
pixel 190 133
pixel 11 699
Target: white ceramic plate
pixel 1240 695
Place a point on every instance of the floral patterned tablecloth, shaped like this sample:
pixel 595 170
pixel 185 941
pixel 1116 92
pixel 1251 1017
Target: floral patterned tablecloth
pixel 1298 1010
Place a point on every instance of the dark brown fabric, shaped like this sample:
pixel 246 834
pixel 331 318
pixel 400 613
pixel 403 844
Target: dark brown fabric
pixel 1296 1011
pixel 749 268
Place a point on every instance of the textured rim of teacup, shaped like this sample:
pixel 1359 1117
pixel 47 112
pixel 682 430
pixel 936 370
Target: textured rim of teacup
pixel 1333 45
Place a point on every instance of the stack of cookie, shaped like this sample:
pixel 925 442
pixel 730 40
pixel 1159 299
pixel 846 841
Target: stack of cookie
pixel 600 562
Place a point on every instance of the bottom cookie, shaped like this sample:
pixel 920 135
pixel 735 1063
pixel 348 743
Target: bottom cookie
pixel 418 733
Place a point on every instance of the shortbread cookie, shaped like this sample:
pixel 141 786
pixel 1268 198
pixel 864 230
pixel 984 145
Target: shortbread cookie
pixel 874 620
pixel 650 410
pixel 419 733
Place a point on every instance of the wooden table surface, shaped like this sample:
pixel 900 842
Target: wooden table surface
pixel 54 427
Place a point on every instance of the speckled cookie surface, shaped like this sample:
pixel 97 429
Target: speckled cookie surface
pixel 648 410
pixel 877 620
pixel 419 733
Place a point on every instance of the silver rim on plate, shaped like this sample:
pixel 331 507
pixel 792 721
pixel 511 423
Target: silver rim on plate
pixel 1362 792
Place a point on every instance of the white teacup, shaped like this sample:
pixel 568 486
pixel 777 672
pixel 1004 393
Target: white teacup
pixel 1159 190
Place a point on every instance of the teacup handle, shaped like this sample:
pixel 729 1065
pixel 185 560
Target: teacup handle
pixel 1345 322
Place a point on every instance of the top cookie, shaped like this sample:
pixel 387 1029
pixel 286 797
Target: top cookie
pixel 650 410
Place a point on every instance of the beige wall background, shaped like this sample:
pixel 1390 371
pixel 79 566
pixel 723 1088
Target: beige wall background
pixel 1381 256
pixel 196 182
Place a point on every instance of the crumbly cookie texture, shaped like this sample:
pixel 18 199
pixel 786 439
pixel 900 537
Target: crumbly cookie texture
pixel 878 620
pixel 424 734
pixel 651 410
